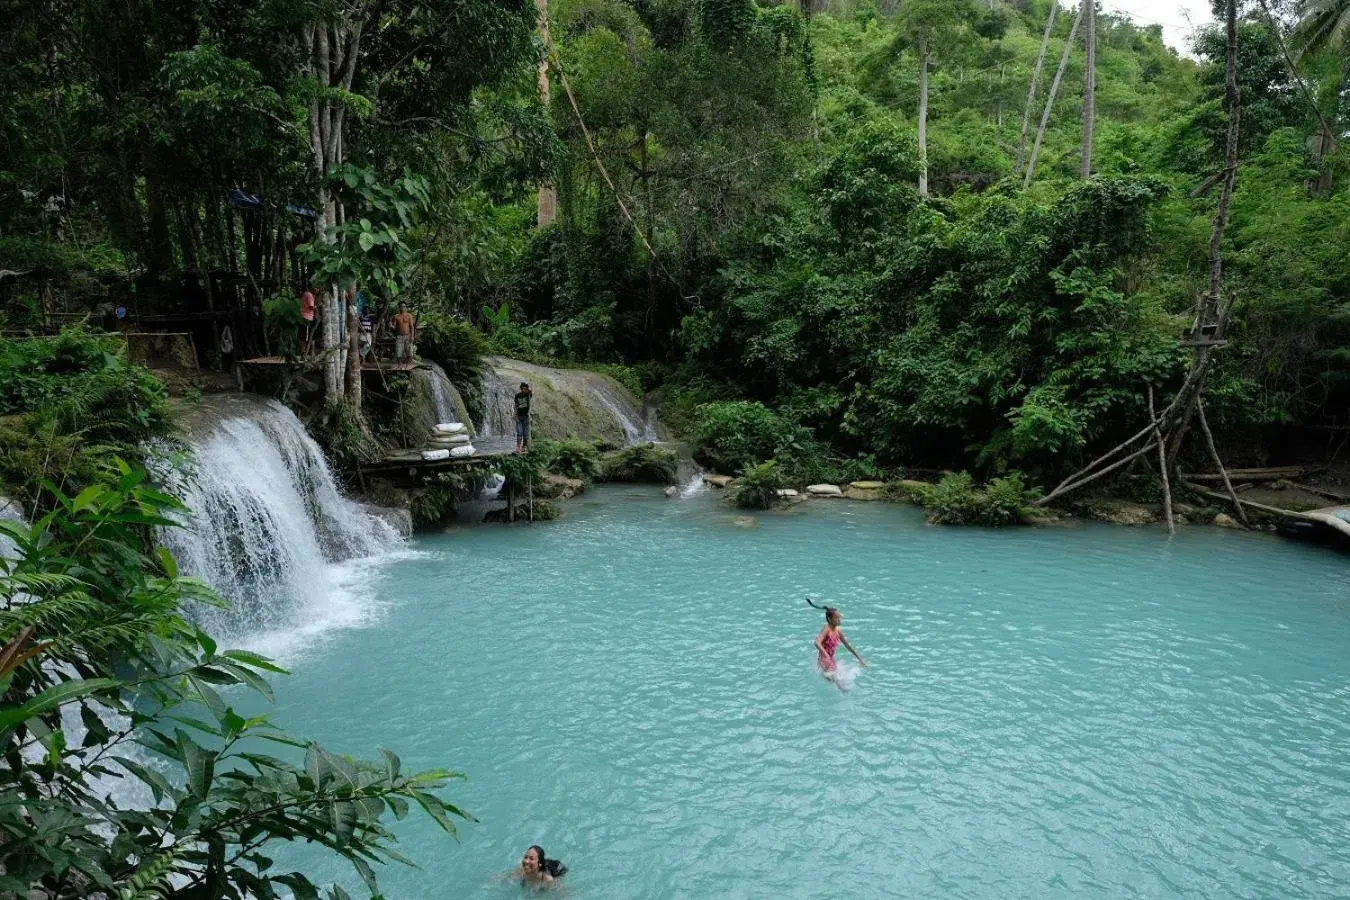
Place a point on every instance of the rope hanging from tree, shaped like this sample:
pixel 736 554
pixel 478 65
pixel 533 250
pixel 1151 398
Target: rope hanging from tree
pixel 556 60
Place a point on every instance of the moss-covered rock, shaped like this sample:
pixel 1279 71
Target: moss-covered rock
pixel 568 403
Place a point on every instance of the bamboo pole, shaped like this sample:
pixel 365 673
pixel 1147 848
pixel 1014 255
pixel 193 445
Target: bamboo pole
pixel 1214 453
pixel 1162 465
pixel 1064 489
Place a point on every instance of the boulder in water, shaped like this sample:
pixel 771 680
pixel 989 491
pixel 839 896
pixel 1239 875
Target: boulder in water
pixel 824 490
pixel 672 492
pixel 867 485
pixel 788 493
pixel 718 481
pixel 1224 520
pixel 560 487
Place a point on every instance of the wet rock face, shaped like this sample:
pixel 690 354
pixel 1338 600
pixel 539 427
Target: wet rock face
pixel 567 403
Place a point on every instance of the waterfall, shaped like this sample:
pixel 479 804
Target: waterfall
pixel 11 512
pixel 267 525
pixel 498 405
pixel 443 396
pixel 567 403
pixel 632 434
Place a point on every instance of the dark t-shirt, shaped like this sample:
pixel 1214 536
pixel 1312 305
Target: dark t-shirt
pixel 522 405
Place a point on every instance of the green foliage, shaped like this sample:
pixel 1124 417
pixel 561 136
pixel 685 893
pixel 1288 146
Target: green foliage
pixel 367 249
pixel 641 464
pixel 284 325
pixel 434 504
pixel 66 402
pixel 523 469
pixel 575 459
pixel 455 346
pixel 757 487
pixel 955 500
pixel 341 429
pixel 736 435
pixel 92 628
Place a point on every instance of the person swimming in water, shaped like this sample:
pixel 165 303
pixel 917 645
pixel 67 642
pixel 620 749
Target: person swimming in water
pixel 828 641
pixel 537 870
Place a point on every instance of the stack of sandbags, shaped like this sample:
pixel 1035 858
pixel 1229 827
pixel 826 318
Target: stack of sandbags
pixel 436 455
pixel 452 439
pixel 449 434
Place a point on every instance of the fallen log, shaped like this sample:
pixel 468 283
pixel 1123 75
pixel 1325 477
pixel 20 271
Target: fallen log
pixel 1272 474
pixel 1321 518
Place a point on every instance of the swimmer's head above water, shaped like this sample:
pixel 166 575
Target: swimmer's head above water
pixel 534 864
pixel 832 614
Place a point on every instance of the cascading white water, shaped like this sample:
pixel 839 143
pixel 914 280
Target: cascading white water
pixel 568 403
pixel 632 433
pixel 12 512
pixel 498 408
pixel 267 525
pixel 443 396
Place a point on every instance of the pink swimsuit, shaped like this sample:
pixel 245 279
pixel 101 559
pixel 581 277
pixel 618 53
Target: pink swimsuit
pixel 830 642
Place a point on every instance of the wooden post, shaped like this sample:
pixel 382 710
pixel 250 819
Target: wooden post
pixel 1214 453
pixel 1162 463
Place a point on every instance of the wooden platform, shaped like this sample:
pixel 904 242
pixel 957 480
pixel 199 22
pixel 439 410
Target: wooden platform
pixel 409 464
pixel 378 366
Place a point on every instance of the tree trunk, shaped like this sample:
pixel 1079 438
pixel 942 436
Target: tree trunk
pixel 548 194
pixel 1050 100
pixel 1207 308
pixel 923 118
pixel 1031 92
pixel 353 373
pixel 1089 82
pixel 333 50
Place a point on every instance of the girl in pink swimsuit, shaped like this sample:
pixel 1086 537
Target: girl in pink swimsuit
pixel 828 641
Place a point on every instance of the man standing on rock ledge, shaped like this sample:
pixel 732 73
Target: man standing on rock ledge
pixel 523 416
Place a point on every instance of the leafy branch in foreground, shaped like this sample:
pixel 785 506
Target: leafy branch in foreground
pixel 105 682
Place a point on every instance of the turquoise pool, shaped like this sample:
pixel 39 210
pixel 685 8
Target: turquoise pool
pixel 1066 712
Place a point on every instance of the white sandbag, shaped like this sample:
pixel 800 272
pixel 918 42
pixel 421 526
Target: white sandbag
pixel 435 455
pixel 450 440
pixel 451 428
pixel 462 451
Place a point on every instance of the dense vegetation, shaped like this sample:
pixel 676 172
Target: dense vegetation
pixel 830 232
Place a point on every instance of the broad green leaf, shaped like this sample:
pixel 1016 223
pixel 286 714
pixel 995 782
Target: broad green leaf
pixel 52 698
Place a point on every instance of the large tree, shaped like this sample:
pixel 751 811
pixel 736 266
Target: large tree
pixel 933 27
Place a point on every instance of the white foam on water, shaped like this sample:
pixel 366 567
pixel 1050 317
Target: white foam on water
pixel 694 485
pixel 269 529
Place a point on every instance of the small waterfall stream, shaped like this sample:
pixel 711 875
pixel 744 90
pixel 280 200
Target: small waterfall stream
pixel 268 527
pixel 568 403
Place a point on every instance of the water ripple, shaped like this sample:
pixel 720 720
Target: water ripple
pixel 1084 712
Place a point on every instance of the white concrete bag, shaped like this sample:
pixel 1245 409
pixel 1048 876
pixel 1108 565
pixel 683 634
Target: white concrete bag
pixel 435 455
pixel 450 428
pixel 462 451
pixel 450 440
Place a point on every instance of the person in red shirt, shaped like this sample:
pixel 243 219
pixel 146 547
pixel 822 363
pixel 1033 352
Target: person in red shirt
pixel 307 312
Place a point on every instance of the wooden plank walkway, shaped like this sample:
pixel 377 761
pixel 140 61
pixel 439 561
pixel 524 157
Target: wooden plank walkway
pixel 411 463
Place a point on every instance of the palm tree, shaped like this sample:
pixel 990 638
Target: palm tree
pixel 1323 26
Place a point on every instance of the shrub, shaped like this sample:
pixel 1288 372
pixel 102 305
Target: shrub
pixel 66 403
pixel 283 324
pixel 735 435
pixel 757 487
pixel 522 470
pixel 455 346
pixel 93 627
pixel 955 500
pixel 576 459
pixel 643 463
